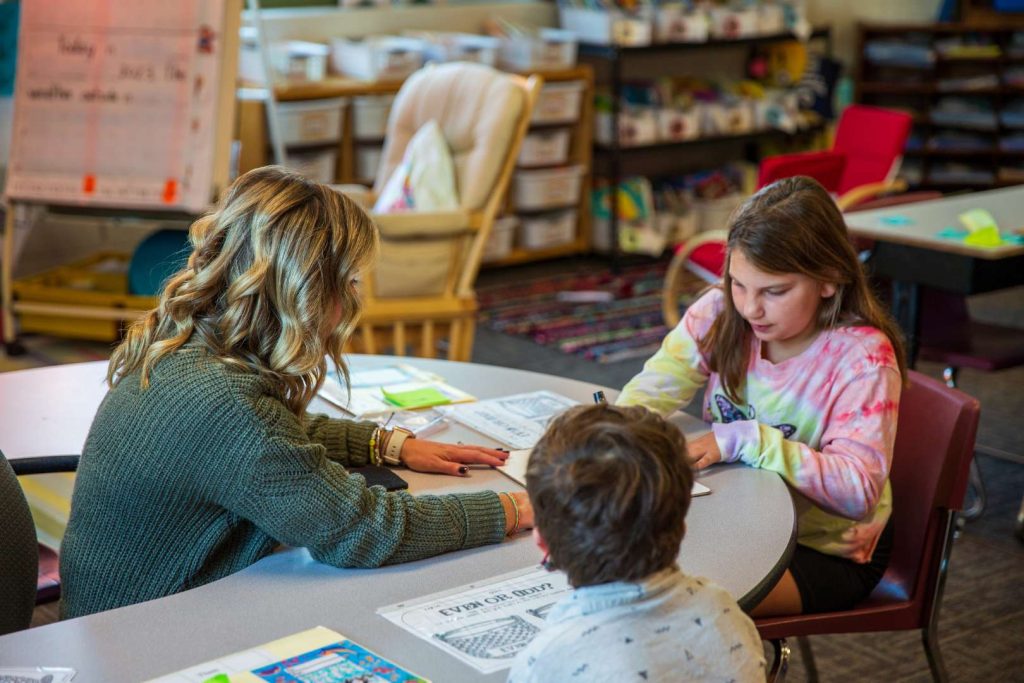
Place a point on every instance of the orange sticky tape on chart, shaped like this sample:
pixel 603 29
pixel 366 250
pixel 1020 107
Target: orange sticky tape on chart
pixel 170 191
pixel 88 184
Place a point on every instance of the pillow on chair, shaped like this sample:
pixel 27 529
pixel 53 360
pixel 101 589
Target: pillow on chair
pixel 425 180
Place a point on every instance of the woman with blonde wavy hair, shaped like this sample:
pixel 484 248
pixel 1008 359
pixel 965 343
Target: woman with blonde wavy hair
pixel 202 459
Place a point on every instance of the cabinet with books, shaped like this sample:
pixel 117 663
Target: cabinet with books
pixel 658 115
pixel 964 85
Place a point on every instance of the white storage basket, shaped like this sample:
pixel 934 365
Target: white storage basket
pixel 545 148
pixel 548 230
pixel 378 58
pixel 499 243
pixel 547 188
pixel 318 165
pixel 558 103
pixel 370 116
pixel 311 122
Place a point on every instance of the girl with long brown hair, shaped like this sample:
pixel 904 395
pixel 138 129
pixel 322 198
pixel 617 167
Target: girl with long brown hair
pixel 202 458
pixel 803 369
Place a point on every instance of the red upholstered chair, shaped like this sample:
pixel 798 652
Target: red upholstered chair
pixel 698 263
pixel 862 162
pixel 934 445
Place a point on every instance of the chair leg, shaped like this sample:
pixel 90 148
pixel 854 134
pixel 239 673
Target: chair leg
pixel 977 484
pixel 803 644
pixel 929 634
pixel 780 663
pixel 1019 531
pixel 930 640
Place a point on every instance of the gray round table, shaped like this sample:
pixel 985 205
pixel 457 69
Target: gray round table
pixel 740 536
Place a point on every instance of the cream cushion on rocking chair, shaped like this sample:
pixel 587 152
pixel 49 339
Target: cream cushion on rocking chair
pixel 476 109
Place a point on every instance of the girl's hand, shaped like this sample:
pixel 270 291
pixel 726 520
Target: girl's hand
pixel 446 458
pixel 704 451
pixel 525 511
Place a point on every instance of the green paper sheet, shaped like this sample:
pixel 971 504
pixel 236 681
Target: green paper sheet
pixel 416 398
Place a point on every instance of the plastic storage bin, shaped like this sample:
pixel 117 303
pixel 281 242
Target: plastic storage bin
pixel 547 188
pixel 558 103
pixel 678 124
pixel 607 27
pixel 674 24
pixel 318 165
pixel 311 122
pixel 100 280
pixel 545 148
pixel 551 49
pixel 370 116
pixel 637 126
pixel 458 47
pixel 367 162
pixel 378 58
pixel 499 243
pixel 548 230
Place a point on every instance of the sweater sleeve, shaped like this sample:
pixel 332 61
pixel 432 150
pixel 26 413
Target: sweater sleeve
pixel 672 376
pixel 346 441
pixel 847 475
pixel 298 496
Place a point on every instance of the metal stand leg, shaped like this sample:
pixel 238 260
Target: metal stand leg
pixel 780 663
pixel 931 650
pixel 803 643
pixel 929 635
pixel 977 485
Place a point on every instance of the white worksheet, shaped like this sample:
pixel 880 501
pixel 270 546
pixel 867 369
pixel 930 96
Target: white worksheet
pixel 487 623
pixel 517 421
pixel 515 469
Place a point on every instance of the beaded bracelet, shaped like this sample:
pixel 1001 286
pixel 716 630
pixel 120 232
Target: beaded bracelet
pixel 515 509
pixel 375 458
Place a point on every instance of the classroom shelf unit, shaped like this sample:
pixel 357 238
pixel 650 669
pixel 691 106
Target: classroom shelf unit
pixel 613 159
pixel 353 154
pixel 964 85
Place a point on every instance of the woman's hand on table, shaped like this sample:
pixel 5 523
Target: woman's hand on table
pixel 704 451
pixel 421 455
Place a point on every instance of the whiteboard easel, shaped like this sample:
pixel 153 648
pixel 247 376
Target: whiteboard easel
pixel 119 107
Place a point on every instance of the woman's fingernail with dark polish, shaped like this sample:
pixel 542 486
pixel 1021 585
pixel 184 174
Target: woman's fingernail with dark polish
pixel 463 470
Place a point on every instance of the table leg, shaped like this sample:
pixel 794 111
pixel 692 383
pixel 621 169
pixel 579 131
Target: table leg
pixel 6 266
pixel 906 302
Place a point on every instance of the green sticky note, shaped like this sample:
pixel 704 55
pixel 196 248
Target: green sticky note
pixel 416 398
pixel 984 237
pixel 219 678
pixel 978 219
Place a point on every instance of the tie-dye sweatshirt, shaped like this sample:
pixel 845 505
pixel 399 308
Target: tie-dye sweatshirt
pixel 825 420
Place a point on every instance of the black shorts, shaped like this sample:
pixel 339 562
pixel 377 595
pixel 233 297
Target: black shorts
pixel 828 583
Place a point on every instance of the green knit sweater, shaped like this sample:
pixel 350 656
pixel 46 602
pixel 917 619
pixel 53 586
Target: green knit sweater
pixel 206 471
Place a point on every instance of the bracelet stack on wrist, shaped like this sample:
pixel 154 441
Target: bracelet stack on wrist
pixel 515 520
pixel 375 437
pixel 386 445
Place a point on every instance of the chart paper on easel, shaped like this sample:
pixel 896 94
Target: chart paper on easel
pixel 116 103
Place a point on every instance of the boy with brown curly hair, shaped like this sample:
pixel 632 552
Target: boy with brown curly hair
pixel 610 488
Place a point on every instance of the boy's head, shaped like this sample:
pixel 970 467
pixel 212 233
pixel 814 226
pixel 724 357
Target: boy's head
pixel 610 487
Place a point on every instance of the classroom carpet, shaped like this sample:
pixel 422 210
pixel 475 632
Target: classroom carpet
pixel 597 315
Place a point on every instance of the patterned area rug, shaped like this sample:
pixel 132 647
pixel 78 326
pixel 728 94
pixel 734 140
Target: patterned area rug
pixel 599 316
